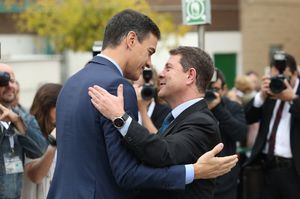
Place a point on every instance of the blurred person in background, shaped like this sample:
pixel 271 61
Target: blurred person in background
pixel 255 79
pixel 276 149
pixel 16 103
pixel 19 136
pixel 233 129
pixel 39 172
pixel 243 91
pixel 152 110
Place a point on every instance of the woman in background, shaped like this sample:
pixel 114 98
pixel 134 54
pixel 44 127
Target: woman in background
pixel 39 172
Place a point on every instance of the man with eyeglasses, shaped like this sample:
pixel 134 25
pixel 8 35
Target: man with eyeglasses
pixel 233 129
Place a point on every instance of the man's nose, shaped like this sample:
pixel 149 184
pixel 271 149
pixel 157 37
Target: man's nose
pixel 149 62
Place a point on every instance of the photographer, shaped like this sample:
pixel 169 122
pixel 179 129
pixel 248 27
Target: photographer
pixel 233 129
pixel 276 148
pixel 151 109
pixel 19 135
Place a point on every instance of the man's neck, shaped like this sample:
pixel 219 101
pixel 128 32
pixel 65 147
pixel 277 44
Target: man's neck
pixel 115 55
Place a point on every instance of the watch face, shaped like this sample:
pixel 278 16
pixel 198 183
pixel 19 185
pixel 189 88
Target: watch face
pixel 118 122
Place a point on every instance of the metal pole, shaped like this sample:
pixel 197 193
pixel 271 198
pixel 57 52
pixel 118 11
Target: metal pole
pixel 201 32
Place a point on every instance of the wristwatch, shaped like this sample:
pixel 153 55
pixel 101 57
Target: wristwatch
pixel 119 122
pixel 52 140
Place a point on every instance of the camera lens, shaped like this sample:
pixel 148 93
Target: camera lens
pixel 210 95
pixel 4 78
pixel 148 91
pixel 277 84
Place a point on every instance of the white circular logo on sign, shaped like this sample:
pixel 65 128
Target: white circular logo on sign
pixel 195 9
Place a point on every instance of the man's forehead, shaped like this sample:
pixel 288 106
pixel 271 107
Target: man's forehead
pixel 7 68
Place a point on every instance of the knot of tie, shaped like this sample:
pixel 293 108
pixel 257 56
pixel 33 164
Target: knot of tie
pixel 169 118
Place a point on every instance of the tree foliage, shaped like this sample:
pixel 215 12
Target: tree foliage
pixel 76 24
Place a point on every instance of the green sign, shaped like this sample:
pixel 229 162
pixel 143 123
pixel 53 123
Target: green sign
pixel 196 12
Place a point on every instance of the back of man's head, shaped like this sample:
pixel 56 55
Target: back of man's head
pixel 193 57
pixel 124 22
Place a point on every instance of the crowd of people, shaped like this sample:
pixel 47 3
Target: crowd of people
pixel 115 139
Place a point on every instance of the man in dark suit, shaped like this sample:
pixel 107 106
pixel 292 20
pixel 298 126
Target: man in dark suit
pixel 277 146
pixel 233 128
pixel 92 161
pixel 192 132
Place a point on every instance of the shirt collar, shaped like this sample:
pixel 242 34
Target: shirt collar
pixel 112 61
pixel 180 108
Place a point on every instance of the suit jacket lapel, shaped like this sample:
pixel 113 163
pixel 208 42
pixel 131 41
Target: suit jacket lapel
pixel 195 107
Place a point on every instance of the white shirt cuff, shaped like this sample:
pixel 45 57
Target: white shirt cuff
pixel 189 173
pixel 258 100
pixel 124 129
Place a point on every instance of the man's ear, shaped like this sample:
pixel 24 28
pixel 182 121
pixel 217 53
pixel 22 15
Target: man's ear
pixel 130 39
pixel 192 75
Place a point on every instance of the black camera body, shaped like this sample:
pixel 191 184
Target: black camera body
pixel 4 79
pixel 210 94
pixel 277 83
pixel 97 47
pixel 148 90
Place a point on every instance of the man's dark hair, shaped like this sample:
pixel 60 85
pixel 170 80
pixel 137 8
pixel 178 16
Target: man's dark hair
pixel 221 76
pixel 290 62
pixel 124 22
pixel 193 57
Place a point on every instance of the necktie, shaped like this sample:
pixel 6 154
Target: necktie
pixel 169 118
pixel 272 138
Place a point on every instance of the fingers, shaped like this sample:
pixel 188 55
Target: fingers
pixel 217 149
pixel 120 91
pixel 228 159
pixel 2 108
pixel 100 90
pixel 287 84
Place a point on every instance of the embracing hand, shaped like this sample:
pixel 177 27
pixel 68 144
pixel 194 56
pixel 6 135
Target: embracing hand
pixel 109 105
pixel 209 166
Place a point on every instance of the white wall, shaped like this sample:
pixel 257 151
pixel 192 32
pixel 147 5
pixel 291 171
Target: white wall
pixel 25 44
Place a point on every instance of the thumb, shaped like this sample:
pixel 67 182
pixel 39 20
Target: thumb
pixel 120 91
pixel 217 149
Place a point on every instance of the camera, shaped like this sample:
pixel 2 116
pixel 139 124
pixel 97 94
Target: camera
pixel 210 94
pixel 277 83
pixel 97 47
pixel 148 90
pixel 4 79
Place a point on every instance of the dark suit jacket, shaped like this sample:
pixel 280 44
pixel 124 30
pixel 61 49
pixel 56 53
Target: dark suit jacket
pixel 92 162
pixel 191 134
pixel 264 115
pixel 233 128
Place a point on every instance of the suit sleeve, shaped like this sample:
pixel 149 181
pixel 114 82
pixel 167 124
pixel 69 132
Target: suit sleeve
pixel 232 121
pixel 33 142
pixel 253 114
pixel 197 135
pixel 295 107
pixel 128 172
